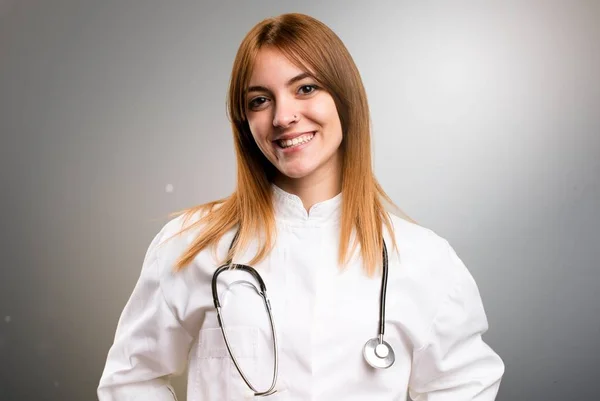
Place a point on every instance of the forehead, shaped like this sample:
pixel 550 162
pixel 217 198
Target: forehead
pixel 272 67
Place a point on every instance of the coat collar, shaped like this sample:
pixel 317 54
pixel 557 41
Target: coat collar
pixel 289 209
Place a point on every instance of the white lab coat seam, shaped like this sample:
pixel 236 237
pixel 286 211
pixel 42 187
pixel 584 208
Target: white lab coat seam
pixel 439 309
pixel 446 299
pixel 429 342
pixel 156 264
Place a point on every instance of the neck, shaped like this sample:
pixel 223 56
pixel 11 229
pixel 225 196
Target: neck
pixel 312 190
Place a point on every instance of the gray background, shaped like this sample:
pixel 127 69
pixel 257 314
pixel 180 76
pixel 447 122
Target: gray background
pixel 486 129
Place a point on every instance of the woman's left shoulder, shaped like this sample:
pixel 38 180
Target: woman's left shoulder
pixel 422 251
pixel 411 236
pixel 433 273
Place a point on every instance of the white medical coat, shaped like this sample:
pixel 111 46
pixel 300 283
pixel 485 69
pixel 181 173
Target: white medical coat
pixel 323 317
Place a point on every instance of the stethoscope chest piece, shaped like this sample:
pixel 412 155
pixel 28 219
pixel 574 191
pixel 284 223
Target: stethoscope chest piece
pixel 379 354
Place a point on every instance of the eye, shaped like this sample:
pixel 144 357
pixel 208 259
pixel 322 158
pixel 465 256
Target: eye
pixel 257 102
pixel 307 89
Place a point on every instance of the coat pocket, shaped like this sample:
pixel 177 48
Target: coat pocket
pixel 211 372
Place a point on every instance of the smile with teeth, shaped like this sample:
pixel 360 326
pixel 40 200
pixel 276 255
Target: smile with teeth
pixel 287 143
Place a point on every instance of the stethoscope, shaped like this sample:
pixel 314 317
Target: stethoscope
pixel 377 352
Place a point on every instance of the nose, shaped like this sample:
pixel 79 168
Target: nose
pixel 285 115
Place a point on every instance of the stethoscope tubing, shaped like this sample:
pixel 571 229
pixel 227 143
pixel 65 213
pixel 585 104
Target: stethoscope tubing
pixel 263 293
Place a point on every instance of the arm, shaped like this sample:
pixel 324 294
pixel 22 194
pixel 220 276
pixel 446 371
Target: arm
pixel 456 364
pixel 150 344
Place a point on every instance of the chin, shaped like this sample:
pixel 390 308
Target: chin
pixel 297 173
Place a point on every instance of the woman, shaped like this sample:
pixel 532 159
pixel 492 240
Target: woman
pixel 308 215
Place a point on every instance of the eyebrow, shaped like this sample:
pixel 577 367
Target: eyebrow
pixel 297 78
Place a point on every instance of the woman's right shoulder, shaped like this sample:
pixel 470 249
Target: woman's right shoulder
pixel 179 232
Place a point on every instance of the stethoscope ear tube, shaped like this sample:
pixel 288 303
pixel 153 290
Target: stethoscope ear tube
pixel 221 269
pixel 271 388
pixel 263 293
pixel 228 265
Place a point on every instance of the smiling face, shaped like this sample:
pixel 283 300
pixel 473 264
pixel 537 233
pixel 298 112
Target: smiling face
pixel 293 120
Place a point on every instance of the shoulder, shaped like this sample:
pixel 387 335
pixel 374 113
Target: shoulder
pixel 176 235
pixel 169 242
pixel 426 257
pixel 418 240
pixel 179 235
pixel 431 272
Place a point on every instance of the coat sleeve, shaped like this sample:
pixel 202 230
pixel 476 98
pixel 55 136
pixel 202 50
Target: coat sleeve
pixel 150 343
pixel 455 364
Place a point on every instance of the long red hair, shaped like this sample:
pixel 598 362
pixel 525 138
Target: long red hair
pixel 316 49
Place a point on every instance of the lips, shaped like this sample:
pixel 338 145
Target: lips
pixel 292 136
pixel 293 140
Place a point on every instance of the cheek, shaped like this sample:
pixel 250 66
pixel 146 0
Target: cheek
pixel 259 132
pixel 261 138
pixel 325 112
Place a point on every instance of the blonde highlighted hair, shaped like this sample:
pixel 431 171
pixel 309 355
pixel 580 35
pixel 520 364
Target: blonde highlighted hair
pixel 316 49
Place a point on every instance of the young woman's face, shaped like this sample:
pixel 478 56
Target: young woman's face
pixel 294 122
